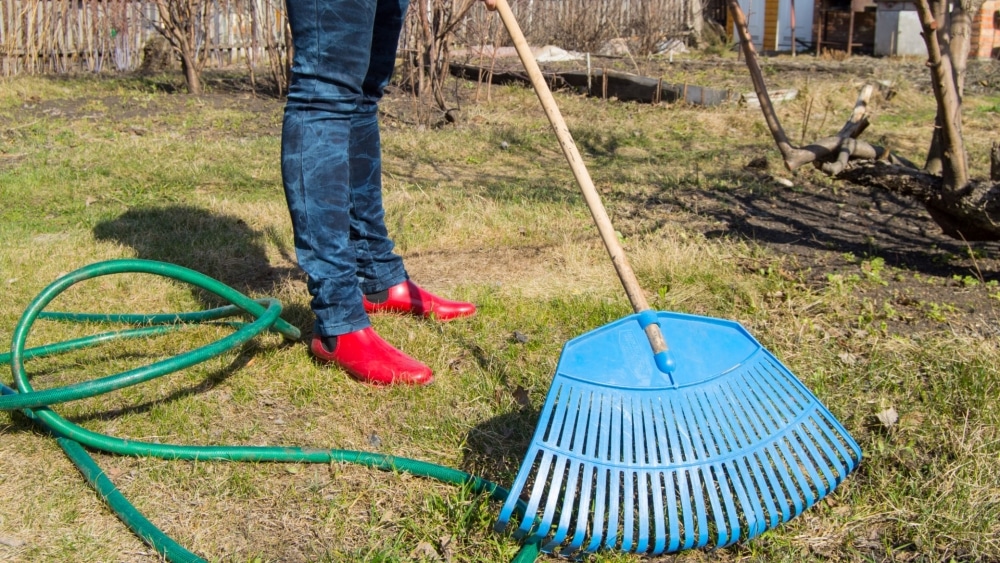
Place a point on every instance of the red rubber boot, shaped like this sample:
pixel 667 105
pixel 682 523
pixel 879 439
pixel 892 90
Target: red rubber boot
pixel 366 357
pixel 407 297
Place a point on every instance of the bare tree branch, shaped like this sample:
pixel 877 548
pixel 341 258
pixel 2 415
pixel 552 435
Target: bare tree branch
pixel 962 208
pixel 183 22
pixel 955 168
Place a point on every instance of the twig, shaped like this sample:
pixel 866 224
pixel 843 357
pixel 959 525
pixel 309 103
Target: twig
pixel 805 122
pixel 23 125
pixel 972 255
pixel 628 50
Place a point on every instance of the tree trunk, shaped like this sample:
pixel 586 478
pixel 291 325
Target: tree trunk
pixel 964 209
pixel 952 148
pixel 183 22
pixel 935 160
pixel 192 76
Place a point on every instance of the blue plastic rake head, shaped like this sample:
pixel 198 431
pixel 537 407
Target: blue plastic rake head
pixel 628 458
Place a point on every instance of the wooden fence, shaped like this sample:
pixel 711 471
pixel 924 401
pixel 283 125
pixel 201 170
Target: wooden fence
pixel 40 36
pixel 55 36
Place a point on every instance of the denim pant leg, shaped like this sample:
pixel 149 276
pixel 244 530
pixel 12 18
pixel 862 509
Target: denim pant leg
pixel 378 267
pixel 329 155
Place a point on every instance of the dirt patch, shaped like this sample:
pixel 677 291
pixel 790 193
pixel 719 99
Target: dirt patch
pixel 982 77
pixel 884 246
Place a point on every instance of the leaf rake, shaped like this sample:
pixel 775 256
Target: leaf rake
pixel 648 449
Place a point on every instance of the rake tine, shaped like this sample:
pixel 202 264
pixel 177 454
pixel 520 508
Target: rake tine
pixel 734 481
pixel 555 432
pixel 582 445
pixel 545 525
pixel 603 476
pixel 696 477
pixel 813 430
pixel 763 483
pixel 710 436
pixel 686 492
pixel 566 512
pixel 817 459
pixel 785 427
pixel 761 428
pixel 583 509
pixel 654 426
pixel 633 457
pixel 751 486
pixel 611 539
pixel 563 442
pixel 577 444
pixel 535 498
pixel 671 453
pixel 591 447
pixel 837 440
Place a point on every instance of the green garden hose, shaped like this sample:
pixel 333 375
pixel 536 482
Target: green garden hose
pixel 74 438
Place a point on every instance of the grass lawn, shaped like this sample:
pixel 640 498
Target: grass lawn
pixel 856 292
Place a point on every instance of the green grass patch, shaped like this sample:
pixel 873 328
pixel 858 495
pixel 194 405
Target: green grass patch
pixel 96 168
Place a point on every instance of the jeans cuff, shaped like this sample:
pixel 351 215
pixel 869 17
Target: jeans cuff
pixel 384 282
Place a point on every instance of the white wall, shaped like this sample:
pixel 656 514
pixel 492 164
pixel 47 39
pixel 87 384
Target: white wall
pixel 754 12
pixel 803 23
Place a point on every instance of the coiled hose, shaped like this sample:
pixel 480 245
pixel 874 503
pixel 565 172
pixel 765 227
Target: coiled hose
pixel 74 439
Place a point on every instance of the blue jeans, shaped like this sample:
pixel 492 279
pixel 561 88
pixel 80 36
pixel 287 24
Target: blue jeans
pixel 331 157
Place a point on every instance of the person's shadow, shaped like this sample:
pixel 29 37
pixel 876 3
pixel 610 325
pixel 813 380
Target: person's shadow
pixel 221 246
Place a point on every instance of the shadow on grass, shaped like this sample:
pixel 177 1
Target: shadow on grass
pixel 224 82
pixel 494 448
pixel 810 220
pixel 221 246
pixel 247 353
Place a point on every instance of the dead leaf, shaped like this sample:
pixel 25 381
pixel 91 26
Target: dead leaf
pixel 848 359
pixel 10 542
pixel 521 397
pixel 425 550
pixel 889 417
pixel 447 551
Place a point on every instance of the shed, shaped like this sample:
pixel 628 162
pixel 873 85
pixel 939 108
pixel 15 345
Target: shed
pixel 898 30
pixel 845 25
pixel 986 31
pixel 775 25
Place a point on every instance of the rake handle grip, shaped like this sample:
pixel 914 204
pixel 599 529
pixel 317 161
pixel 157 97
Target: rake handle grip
pixel 597 210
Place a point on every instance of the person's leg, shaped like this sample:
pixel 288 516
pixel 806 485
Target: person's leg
pixel 382 276
pixel 332 41
pixel 378 266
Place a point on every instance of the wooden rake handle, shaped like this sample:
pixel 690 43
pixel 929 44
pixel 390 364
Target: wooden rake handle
pixel 597 210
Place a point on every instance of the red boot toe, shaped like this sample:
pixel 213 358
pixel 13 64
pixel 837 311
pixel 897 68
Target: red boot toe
pixel 409 298
pixel 366 357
